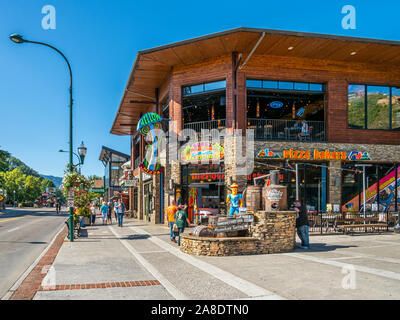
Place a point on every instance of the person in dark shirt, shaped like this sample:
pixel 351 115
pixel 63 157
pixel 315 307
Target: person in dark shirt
pixel 302 225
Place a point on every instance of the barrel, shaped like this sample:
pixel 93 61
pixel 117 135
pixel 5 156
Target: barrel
pixel 253 198
pixel 202 231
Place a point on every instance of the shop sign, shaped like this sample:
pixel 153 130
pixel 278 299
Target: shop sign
pixel 130 183
pixel 276 104
pixel 313 155
pixel 268 154
pixel 208 176
pixel 241 223
pixel 204 150
pixel 274 195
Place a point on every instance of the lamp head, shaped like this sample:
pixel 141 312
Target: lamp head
pixel 82 150
pixel 17 38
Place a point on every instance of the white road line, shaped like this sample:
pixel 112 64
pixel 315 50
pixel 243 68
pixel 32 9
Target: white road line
pixel 11 230
pixel 248 288
pixel 377 272
pixel 369 256
pixel 149 267
pixel 26 273
pixel 28 223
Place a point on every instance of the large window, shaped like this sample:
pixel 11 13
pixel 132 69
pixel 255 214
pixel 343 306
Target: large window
pixel 284 85
pixel 373 107
pixel 205 103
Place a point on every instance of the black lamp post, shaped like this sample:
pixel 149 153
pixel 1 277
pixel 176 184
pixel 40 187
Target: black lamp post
pixel 19 39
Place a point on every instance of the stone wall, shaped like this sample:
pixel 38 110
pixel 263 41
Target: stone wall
pixel 271 232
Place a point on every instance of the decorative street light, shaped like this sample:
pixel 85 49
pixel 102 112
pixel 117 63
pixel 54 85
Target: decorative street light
pixel 19 39
pixel 82 150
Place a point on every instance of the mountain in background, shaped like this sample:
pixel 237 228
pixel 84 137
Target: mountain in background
pixel 56 180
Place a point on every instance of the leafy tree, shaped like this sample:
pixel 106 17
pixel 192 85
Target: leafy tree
pixel 33 187
pixel 46 183
pixel 4 155
pixel 14 182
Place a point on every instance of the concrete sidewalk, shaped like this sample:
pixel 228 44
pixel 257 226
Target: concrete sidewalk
pixel 139 261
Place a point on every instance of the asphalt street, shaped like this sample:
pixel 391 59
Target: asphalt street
pixel 24 234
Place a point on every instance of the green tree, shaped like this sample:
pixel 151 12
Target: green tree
pixel 4 155
pixel 46 183
pixel 33 187
pixel 14 183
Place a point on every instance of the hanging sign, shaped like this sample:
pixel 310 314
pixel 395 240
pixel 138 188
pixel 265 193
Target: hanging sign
pixel 204 150
pixel 150 127
pixel 267 154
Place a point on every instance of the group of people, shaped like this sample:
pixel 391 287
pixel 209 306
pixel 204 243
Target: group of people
pixel 106 210
pixel 177 216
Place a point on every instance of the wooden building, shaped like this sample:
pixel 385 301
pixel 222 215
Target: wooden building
pixel 326 103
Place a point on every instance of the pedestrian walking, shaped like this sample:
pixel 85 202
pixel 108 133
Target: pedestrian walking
pixel 120 207
pixel 109 213
pixel 104 212
pixel 93 215
pixel 302 225
pixel 180 219
pixel 171 210
pixel 115 203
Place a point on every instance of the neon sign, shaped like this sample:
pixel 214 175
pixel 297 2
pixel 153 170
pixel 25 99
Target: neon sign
pixel 204 150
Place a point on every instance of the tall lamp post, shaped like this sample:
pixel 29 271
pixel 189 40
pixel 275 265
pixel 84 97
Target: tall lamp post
pixel 19 39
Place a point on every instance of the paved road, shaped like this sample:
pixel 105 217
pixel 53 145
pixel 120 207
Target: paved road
pixel 24 234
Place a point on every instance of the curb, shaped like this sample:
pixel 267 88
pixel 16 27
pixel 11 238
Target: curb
pixel 29 283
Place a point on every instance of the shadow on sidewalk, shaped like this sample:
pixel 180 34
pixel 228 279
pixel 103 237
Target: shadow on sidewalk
pixel 322 247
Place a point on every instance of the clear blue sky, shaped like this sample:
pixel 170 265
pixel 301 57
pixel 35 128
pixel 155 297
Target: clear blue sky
pixel 101 39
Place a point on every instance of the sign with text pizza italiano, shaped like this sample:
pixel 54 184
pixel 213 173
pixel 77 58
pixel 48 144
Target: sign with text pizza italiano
pixel 314 154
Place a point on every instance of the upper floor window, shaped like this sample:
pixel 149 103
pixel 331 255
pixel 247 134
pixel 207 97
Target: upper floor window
pixel 373 107
pixel 284 85
pixel 203 87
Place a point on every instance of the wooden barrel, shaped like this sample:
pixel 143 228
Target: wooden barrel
pixel 203 231
pixel 253 198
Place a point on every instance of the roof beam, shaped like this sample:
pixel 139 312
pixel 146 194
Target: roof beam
pixel 252 51
pixel 141 94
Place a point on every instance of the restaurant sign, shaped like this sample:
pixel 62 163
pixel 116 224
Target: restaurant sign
pixel 312 155
pixel 200 151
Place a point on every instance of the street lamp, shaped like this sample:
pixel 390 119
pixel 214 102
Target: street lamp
pixel 82 150
pixel 19 39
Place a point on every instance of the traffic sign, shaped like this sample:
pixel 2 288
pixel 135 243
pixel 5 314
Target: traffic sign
pixel 70 203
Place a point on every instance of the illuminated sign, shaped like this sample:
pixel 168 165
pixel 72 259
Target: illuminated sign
pixel 267 154
pixel 204 150
pixel 313 155
pixel 276 104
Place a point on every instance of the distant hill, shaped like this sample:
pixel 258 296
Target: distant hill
pixel 56 180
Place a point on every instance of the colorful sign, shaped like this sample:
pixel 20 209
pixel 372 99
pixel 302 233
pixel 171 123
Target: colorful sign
pixel 313 155
pixel 151 128
pixel 204 150
pixel 267 154
pixel 208 176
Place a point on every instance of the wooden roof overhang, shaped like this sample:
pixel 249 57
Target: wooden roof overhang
pixel 152 66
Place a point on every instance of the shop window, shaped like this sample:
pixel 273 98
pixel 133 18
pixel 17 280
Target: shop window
pixel 378 177
pixel 356 106
pixel 284 85
pixel 395 108
pixel 205 108
pixel 378 107
pixel 203 87
pixel 373 107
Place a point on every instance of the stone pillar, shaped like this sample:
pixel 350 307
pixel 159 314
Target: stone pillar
pixel 157 199
pixel 335 183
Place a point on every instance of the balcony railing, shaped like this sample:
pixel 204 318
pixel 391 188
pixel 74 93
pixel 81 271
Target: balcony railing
pixel 286 130
pixel 198 126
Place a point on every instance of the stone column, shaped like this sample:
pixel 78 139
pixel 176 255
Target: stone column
pixel 335 183
pixel 156 199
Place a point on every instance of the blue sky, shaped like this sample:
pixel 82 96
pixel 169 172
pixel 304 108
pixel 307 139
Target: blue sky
pixel 101 39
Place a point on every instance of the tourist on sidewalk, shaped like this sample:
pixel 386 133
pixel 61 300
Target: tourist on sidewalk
pixel 93 215
pixel 104 211
pixel 120 207
pixel 180 219
pixel 171 210
pixel 302 225
pixel 109 210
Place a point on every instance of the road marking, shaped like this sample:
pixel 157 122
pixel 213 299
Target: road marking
pixel 26 273
pixel 377 272
pixel 12 219
pixel 11 230
pixel 369 256
pixel 248 288
pixel 150 268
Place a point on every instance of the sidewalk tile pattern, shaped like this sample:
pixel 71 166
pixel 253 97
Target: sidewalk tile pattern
pixel 125 284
